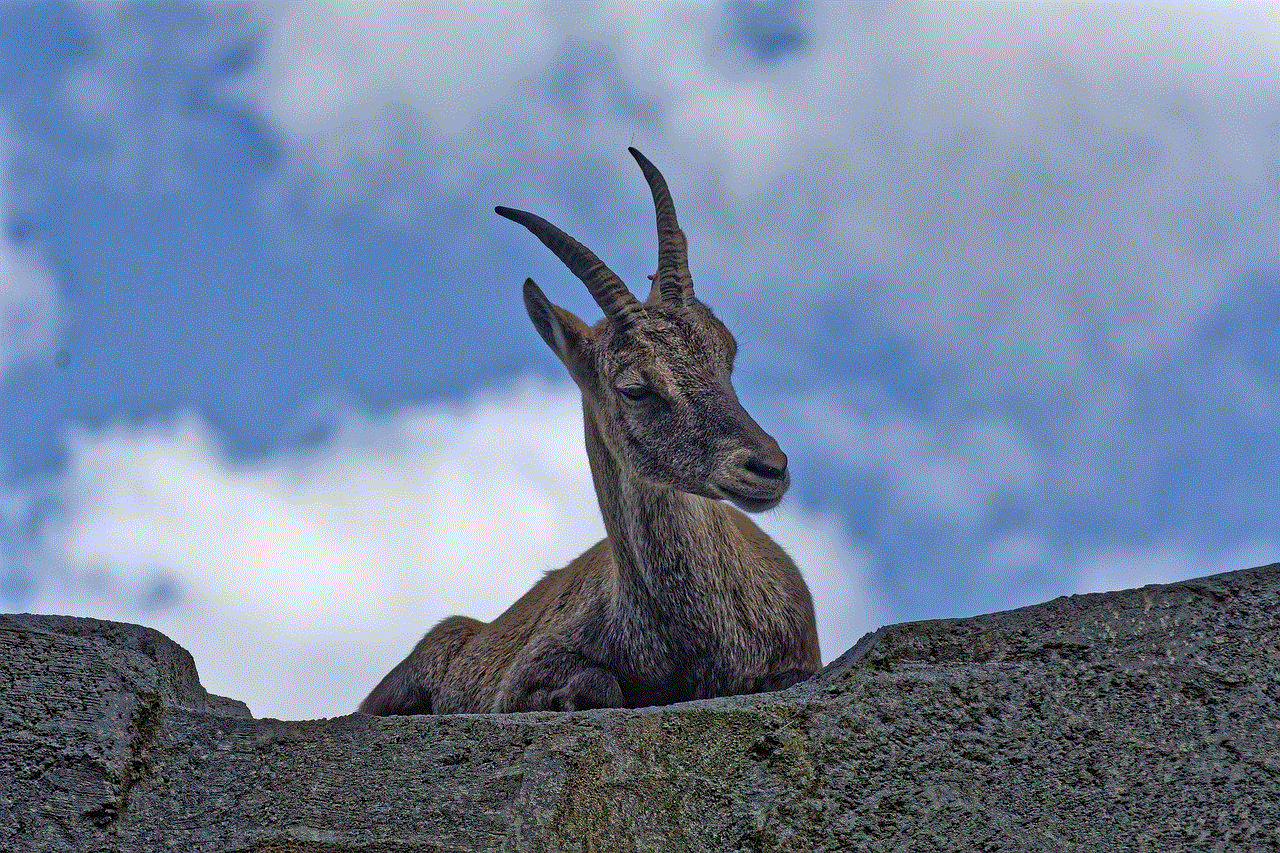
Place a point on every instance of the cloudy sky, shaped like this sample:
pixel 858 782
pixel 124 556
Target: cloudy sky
pixel 1006 281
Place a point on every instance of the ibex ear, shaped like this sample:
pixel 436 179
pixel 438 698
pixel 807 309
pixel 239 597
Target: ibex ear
pixel 562 331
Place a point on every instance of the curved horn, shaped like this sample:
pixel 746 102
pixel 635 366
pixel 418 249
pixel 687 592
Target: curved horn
pixel 606 288
pixel 672 281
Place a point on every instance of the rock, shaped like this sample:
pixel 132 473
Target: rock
pixel 1144 720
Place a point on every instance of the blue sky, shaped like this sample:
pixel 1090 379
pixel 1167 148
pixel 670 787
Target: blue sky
pixel 1006 283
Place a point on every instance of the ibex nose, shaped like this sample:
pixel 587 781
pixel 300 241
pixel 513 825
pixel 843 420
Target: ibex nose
pixel 770 466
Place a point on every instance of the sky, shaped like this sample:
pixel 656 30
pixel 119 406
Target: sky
pixel 1006 282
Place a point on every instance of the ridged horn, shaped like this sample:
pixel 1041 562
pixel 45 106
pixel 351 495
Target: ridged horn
pixel 606 288
pixel 672 280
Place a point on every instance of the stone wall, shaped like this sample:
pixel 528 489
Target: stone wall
pixel 1143 720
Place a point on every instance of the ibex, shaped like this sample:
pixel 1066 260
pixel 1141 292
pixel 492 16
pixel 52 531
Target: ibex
pixel 687 598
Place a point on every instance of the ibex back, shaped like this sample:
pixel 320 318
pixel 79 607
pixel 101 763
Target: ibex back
pixel 687 598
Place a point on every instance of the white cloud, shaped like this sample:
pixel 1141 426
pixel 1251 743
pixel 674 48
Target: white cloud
pixel 343 79
pixel 301 580
pixel 953 472
pixel 133 97
pixel 1035 201
pixel 1037 192
pixel 30 307
pixel 1166 562
pixel 1028 569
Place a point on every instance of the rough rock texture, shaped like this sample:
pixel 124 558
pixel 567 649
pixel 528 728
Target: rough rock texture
pixel 1145 720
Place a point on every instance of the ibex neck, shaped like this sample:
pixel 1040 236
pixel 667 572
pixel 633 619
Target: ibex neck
pixel 666 543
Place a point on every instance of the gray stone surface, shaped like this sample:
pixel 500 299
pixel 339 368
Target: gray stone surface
pixel 1144 720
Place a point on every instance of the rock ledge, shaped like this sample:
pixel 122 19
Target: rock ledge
pixel 1147 719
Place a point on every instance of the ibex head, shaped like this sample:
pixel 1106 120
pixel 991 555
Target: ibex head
pixel 655 376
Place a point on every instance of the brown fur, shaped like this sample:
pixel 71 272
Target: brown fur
pixel 687 598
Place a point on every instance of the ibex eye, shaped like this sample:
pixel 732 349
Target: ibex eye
pixel 635 392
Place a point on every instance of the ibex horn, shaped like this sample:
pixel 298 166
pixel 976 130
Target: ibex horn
pixel 606 288
pixel 672 281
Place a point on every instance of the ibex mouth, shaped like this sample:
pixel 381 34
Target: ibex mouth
pixel 754 502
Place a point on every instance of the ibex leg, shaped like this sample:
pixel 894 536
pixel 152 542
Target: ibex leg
pixel 556 679
pixel 410 686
